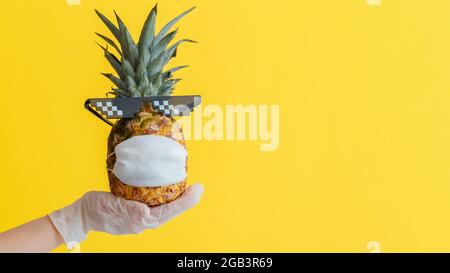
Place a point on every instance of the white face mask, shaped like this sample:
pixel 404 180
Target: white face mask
pixel 150 161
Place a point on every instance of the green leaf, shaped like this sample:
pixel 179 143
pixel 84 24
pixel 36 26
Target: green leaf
pixel 157 82
pixel 155 66
pixel 167 87
pixel 142 77
pixel 112 59
pixel 111 42
pixel 154 77
pixel 128 69
pixel 120 93
pixel 142 65
pixel 170 83
pixel 132 87
pixel 169 25
pixel 114 30
pixel 115 63
pixel 149 91
pixel 169 73
pixel 166 92
pixel 143 85
pixel 102 47
pixel 127 43
pixel 118 82
pixel 156 51
pixel 171 52
pixel 148 31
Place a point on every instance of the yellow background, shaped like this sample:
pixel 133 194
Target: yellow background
pixel 364 95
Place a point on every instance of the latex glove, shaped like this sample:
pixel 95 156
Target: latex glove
pixel 102 211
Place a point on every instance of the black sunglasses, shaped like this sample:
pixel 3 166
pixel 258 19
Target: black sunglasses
pixel 116 108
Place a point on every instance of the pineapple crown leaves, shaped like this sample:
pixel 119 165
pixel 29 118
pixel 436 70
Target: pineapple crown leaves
pixel 140 67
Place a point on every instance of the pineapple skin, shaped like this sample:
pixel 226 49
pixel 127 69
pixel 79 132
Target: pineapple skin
pixel 146 122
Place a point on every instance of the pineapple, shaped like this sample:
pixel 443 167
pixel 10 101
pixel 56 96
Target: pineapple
pixel 140 73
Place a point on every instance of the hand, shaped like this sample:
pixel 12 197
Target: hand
pixel 102 211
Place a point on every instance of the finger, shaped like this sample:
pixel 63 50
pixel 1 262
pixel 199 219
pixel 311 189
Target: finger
pixel 132 209
pixel 189 199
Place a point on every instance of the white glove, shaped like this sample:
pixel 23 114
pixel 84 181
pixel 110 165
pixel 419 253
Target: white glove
pixel 102 211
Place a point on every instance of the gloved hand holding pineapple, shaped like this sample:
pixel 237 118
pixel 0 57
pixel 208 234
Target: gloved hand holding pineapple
pixel 98 211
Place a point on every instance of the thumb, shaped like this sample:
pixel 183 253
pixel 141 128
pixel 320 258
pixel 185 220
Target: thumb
pixel 189 199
